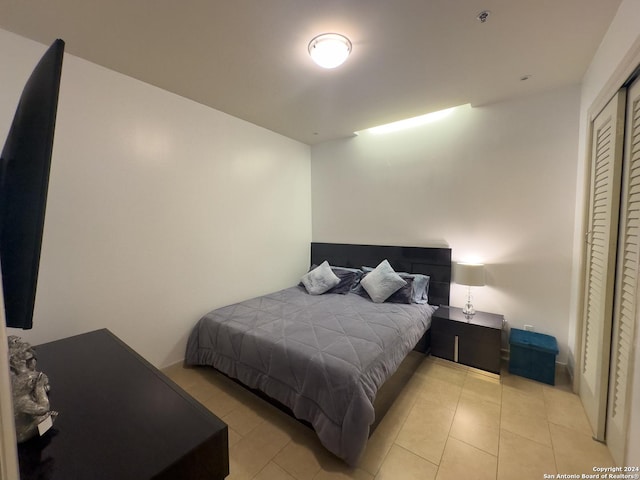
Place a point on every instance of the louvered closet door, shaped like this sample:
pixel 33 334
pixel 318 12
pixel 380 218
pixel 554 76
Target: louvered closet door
pixel 604 204
pixel 626 294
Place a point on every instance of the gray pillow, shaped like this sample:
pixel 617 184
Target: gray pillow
pixel 349 278
pixel 382 282
pixel 320 280
pixel 417 283
pixel 419 286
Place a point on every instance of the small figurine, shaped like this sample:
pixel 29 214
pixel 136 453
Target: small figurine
pixel 22 356
pixel 30 400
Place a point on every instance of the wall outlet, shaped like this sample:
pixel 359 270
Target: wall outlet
pixel 529 328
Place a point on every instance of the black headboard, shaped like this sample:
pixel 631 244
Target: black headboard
pixel 435 262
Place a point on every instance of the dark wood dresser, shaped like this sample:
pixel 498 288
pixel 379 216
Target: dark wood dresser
pixel 120 418
pixel 473 341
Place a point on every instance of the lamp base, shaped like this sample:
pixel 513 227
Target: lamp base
pixel 468 310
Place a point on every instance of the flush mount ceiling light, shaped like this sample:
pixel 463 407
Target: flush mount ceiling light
pixel 329 50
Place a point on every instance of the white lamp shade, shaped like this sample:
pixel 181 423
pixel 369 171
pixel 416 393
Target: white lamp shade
pixel 329 50
pixel 471 274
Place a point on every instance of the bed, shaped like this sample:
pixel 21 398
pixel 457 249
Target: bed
pixel 325 356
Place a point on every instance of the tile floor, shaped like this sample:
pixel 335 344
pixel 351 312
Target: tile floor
pixel 448 422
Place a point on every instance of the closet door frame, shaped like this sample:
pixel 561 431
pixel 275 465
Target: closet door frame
pixel 625 313
pixel 601 247
pixel 616 81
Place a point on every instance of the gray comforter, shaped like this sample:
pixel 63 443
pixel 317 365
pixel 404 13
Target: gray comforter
pixel 323 356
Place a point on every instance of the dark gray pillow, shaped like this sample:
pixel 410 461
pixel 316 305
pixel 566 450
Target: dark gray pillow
pixel 404 294
pixel 348 278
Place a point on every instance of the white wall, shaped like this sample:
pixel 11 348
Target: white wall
pixel 617 56
pixel 159 208
pixel 496 184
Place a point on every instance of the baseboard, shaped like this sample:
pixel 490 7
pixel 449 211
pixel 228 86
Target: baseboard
pixel 571 366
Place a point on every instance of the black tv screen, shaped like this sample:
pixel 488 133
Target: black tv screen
pixel 24 180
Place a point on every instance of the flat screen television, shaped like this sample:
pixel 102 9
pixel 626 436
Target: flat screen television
pixel 24 178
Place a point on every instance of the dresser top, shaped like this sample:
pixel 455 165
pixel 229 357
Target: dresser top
pixel 119 417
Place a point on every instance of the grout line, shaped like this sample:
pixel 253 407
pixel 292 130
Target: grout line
pixel 553 447
pixel 451 426
pixel 499 429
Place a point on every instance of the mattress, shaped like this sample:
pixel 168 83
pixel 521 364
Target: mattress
pixel 323 356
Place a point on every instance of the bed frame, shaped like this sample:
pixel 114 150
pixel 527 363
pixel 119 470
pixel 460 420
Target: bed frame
pixel 434 262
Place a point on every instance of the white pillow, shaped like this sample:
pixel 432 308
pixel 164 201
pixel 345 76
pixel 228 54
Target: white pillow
pixel 382 282
pixel 320 279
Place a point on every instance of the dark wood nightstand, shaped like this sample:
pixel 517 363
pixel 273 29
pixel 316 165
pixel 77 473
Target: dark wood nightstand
pixel 473 341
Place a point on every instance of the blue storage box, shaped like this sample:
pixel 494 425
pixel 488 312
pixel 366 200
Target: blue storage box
pixel 533 355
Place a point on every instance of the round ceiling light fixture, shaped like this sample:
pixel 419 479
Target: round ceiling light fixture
pixel 329 50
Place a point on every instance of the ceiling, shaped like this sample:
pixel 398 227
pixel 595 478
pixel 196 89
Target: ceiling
pixel 249 58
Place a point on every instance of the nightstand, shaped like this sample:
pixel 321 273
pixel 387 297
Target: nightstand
pixel 473 341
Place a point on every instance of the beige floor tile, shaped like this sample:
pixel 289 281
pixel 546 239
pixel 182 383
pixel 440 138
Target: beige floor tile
pixel 524 459
pixel 344 474
pixel 484 388
pixel 439 391
pixel 477 422
pixel 461 460
pixel 304 456
pixel 273 472
pixel 576 452
pixel 243 419
pixel 220 402
pixel 401 464
pixel 522 384
pixel 472 408
pixel 442 370
pixel 565 408
pixel 438 416
pixel 234 437
pixel 426 429
pixel 253 452
pixel 182 375
pixel 563 379
pixel 283 423
pixel 381 440
pixel 404 400
pixel 484 437
pixel 384 436
pixel 202 391
pixel 533 428
pixel 519 402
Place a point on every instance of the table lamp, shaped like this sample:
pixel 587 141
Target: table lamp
pixel 471 275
